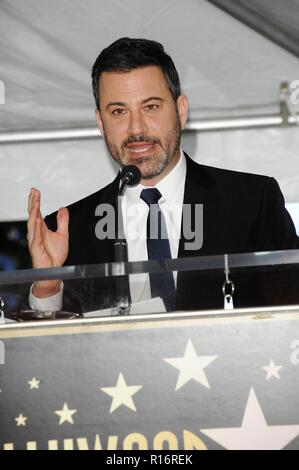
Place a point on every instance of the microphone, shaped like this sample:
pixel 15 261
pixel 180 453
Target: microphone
pixel 130 175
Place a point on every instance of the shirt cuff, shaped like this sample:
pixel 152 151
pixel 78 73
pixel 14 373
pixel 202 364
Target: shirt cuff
pixel 46 304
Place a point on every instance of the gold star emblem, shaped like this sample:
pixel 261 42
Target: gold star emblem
pixel 272 370
pixel 33 383
pixel 21 420
pixel 65 414
pixel 122 394
pixel 191 366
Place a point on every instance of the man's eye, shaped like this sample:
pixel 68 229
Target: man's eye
pixel 152 107
pixel 118 111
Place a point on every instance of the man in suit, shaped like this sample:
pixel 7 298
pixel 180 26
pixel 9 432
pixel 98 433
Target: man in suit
pixel 141 112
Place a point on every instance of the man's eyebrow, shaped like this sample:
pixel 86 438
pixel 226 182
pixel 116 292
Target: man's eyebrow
pixel 116 103
pixel 152 98
pixel 120 103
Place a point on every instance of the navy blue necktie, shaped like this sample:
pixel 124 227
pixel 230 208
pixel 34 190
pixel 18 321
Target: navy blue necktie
pixel 162 284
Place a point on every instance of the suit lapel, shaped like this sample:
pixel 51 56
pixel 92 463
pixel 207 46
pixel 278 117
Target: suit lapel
pixel 198 187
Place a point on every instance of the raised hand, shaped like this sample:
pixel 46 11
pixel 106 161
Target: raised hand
pixel 47 249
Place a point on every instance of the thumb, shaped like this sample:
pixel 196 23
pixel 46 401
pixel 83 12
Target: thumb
pixel 63 221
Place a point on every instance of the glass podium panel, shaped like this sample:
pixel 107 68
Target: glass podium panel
pixel 113 369
pixel 221 282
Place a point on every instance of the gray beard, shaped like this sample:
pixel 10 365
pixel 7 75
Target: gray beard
pixel 165 157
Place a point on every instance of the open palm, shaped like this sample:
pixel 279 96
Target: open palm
pixel 47 248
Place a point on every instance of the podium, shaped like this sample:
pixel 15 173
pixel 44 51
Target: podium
pixel 187 380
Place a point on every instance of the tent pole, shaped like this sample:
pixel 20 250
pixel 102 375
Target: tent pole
pixel 286 118
pixel 204 125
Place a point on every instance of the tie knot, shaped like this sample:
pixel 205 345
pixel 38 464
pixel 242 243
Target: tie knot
pixel 150 196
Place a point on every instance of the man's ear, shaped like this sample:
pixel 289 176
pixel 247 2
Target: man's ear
pixel 182 105
pixel 99 120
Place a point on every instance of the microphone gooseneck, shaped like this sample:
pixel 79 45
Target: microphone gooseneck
pixel 129 176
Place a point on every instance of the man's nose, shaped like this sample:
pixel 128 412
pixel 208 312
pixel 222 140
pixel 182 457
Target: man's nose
pixel 137 124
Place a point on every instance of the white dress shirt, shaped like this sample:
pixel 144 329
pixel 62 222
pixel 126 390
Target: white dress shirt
pixel 135 212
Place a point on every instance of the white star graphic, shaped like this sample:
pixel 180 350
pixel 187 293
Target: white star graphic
pixel 191 366
pixel 21 420
pixel 65 414
pixel 34 383
pixel 254 433
pixel 272 370
pixel 122 394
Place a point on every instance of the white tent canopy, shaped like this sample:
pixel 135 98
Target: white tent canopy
pixel 47 50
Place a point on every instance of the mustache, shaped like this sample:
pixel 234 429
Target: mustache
pixel 141 138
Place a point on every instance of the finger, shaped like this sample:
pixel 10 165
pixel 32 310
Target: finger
pixel 33 196
pixel 31 226
pixel 34 200
pixel 30 197
pixel 63 221
pixel 34 212
pixel 37 237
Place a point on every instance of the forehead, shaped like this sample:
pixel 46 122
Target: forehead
pixel 135 85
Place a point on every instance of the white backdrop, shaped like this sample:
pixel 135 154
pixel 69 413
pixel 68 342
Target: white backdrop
pixel 47 50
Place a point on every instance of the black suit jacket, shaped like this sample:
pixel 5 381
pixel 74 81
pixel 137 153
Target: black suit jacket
pixel 241 213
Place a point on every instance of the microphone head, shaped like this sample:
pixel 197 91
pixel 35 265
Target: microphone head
pixel 131 175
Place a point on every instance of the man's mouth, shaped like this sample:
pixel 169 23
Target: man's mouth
pixel 141 147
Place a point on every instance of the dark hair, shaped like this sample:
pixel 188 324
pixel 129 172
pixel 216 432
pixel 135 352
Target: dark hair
pixel 127 54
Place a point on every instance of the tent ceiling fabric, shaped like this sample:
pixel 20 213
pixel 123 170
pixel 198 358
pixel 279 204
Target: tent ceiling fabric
pixel 277 20
pixel 47 49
